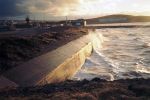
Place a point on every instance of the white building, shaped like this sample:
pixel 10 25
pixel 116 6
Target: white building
pixel 112 20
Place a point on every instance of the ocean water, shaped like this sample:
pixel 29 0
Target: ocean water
pixel 124 54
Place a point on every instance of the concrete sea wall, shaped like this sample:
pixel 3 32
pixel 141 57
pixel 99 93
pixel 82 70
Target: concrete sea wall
pixel 69 67
pixel 55 66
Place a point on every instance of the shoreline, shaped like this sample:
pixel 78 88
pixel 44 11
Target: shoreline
pixel 96 89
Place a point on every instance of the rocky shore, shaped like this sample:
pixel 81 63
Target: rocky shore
pixel 96 89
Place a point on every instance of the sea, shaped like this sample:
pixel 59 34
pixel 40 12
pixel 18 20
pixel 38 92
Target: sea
pixel 124 54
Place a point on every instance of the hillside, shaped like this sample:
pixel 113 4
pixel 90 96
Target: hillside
pixel 118 19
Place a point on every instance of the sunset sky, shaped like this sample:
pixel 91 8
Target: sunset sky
pixel 57 9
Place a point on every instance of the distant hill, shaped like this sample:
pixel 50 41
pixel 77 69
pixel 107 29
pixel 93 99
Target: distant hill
pixel 118 19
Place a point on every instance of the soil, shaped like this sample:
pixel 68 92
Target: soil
pixel 96 89
pixel 18 48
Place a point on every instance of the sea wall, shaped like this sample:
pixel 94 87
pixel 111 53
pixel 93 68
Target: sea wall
pixel 69 67
pixel 55 66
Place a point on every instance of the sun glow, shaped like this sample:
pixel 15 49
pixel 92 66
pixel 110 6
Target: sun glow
pixel 93 8
pixel 88 8
pixel 102 7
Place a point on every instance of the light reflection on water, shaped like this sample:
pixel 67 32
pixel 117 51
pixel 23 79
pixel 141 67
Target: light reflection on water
pixel 125 53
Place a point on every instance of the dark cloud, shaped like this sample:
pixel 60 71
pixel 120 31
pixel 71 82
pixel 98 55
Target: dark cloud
pixel 53 8
pixel 23 7
pixel 9 8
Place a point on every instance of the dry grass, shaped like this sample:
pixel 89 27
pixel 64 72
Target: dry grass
pixel 135 89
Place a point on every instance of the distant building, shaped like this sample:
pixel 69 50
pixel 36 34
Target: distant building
pixel 27 20
pixel 7 25
pixel 79 22
pixel 112 20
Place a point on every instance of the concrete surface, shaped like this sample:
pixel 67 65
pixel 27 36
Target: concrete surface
pixel 6 83
pixel 55 66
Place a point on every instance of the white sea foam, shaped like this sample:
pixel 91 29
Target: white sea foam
pixel 122 53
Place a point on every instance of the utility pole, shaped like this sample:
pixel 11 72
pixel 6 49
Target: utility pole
pixel 66 20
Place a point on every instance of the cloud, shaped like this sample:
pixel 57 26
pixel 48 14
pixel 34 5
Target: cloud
pixel 9 8
pixel 53 8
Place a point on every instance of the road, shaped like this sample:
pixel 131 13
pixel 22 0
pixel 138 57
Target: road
pixel 22 32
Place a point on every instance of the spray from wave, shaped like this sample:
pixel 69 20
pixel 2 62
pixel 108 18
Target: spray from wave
pixel 119 54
